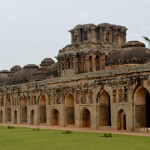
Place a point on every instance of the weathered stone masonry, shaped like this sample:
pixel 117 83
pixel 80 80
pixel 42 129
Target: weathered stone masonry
pixel 99 81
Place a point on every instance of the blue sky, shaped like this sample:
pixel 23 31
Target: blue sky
pixel 31 30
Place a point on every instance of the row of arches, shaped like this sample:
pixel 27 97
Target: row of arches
pixel 141 116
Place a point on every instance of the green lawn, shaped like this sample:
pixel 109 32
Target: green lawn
pixel 27 139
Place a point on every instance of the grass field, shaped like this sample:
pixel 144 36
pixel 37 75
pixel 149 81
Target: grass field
pixel 27 139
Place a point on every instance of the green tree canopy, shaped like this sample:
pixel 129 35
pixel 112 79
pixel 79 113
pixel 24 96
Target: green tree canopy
pixel 147 40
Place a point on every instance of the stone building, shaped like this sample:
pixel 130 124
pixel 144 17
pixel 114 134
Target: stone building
pixel 99 81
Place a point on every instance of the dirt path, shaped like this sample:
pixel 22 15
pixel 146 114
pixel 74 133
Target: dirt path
pixel 79 129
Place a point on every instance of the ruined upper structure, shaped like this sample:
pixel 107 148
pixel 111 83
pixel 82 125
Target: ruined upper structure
pixel 93 48
pixel 108 35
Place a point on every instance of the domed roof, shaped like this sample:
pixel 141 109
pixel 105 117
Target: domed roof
pixel 52 70
pixel 47 62
pixel 25 74
pixel 31 66
pixel 39 74
pixel 15 68
pixel 133 52
pixel 133 44
pixel 4 71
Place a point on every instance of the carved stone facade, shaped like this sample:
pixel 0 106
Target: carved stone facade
pixel 99 81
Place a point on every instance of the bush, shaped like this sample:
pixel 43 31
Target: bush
pixel 66 132
pixel 36 129
pixel 10 127
pixel 107 135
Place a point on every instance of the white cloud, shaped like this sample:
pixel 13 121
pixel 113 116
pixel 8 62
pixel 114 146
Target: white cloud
pixel 135 34
pixel 143 29
pixel 77 16
pixel 9 18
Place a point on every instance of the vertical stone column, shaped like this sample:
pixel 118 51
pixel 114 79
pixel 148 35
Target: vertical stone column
pixel 88 63
pixel 93 63
pixel 28 109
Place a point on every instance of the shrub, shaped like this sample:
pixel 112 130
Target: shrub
pixel 10 127
pixel 66 132
pixel 107 135
pixel 36 129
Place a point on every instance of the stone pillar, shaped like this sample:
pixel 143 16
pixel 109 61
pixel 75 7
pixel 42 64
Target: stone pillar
pixel 93 63
pixel 76 64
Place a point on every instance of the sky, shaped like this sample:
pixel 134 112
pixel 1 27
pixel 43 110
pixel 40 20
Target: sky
pixel 31 30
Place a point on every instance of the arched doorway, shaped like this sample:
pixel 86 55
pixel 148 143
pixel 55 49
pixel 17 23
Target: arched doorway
pixel 55 117
pixel 121 121
pixel 142 107
pixel 15 117
pixel 69 103
pixel 24 109
pixel 104 109
pixel 1 116
pixel 42 103
pixel 8 110
pixel 86 118
pixel 32 117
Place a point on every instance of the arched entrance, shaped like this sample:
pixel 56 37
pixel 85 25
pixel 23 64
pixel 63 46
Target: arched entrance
pixel 24 109
pixel 42 103
pixel 121 121
pixel 142 107
pixel 86 118
pixel 69 103
pixel 1 116
pixel 55 117
pixel 15 117
pixel 8 110
pixel 104 109
pixel 32 117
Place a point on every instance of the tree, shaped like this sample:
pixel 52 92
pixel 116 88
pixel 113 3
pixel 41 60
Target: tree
pixel 147 40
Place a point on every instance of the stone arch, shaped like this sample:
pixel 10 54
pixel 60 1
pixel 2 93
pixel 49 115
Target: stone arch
pixel 42 107
pixel 1 116
pixel 97 63
pixel 121 120
pixel 85 118
pixel 68 63
pixel 120 97
pixel 24 109
pixel 32 117
pixel 142 107
pixel 55 117
pixel 15 117
pixel 104 109
pixel 90 64
pixel 69 104
pixel 8 109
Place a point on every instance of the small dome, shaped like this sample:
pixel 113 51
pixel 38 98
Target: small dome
pixel 25 74
pixel 133 52
pixel 47 62
pixel 53 70
pixel 133 44
pixel 15 68
pixel 4 71
pixel 39 74
pixel 31 66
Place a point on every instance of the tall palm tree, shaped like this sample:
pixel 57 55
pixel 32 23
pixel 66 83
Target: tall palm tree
pixel 147 40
